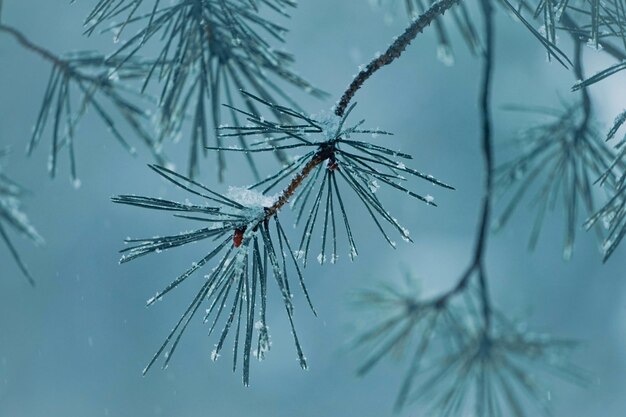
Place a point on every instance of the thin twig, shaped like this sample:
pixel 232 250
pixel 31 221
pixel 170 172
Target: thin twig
pixel 477 264
pixel 394 51
pixel 320 156
pixel 586 99
pixel 487 149
pixel 28 44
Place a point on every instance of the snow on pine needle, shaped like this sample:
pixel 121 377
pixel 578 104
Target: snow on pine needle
pixel 13 218
pixel 334 159
pixel 248 248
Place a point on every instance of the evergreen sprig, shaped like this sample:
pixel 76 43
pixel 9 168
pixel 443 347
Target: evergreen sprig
pixel 559 160
pixel 249 249
pixel 13 218
pixel 210 49
pixel 242 225
pixel 359 165
pixel 100 85
pixel 213 50
pixel 455 363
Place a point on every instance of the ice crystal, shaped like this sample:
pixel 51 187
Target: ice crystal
pixel 250 198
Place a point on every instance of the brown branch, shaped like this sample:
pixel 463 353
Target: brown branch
pixel 326 152
pixel 394 51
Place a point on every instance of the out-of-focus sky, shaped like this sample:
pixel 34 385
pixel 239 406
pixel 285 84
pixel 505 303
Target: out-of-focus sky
pixel 76 344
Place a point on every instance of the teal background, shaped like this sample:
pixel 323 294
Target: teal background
pixel 76 344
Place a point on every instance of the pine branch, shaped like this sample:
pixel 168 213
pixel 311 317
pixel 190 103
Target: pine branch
pixel 606 161
pixel 247 258
pixel 452 356
pixel 326 151
pixel 97 81
pixel 483 353
pixel 241 220
pixel 561 159
pixel 362 166
pixel 209 50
